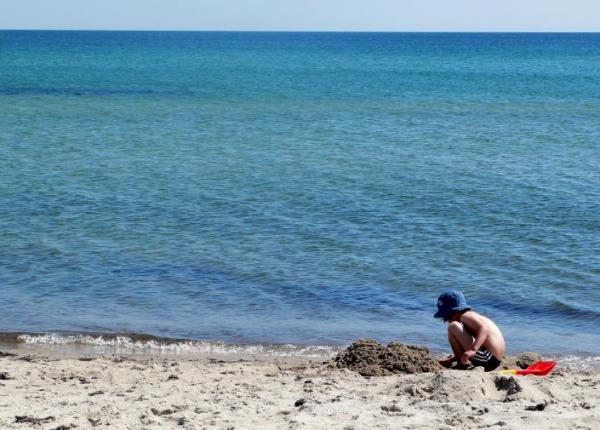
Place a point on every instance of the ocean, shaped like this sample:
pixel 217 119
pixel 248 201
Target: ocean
pixel 299 189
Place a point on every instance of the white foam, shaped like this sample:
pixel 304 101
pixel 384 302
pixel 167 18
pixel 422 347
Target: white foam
pixel 125 344
pixel 580 361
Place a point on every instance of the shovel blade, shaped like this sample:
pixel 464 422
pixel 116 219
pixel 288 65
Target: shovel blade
pixel 539 368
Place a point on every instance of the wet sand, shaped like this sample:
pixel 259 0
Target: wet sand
pixel 51 391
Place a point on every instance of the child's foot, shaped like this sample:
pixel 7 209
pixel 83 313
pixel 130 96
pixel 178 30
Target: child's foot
pixel 446 362
pixel 460 366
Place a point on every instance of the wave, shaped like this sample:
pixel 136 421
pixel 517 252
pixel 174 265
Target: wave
pixel 549 307
pixel 571 310
pixel 578 361
pixel 146 344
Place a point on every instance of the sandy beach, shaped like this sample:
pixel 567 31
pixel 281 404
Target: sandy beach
pixel 51 391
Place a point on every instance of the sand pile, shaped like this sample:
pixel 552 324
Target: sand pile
pixel 370 358
pixel 522 361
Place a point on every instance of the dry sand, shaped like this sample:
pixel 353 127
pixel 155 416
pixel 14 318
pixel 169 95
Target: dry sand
pixel 41 391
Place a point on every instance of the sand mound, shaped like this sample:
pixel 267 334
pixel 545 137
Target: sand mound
pixel 370 358
pixel 523 360
pixel 526 359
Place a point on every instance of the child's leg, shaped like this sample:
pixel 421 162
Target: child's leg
pixel 460 340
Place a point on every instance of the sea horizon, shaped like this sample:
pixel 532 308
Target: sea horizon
pixel 116 30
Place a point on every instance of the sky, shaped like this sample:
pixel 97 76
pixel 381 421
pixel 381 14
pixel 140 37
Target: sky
pixel 303 15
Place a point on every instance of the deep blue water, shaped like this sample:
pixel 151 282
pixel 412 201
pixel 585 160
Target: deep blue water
pixel 300 187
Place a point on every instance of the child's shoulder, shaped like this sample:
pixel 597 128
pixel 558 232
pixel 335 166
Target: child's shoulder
pixel 470 314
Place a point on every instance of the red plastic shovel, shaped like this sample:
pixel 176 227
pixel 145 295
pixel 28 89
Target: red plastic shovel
pixel 539 368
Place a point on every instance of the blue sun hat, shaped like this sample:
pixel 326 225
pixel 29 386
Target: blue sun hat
pixel 449 302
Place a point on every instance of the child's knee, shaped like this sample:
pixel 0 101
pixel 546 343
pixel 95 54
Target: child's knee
pixel 455 327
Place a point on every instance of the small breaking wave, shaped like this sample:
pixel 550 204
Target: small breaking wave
pixel 145 344
pixel 575 311
pixel 579 361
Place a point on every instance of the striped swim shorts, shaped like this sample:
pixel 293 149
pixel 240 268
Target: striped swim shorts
pixel 485 359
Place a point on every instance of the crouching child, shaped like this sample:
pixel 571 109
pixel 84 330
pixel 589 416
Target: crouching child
pixel 475 339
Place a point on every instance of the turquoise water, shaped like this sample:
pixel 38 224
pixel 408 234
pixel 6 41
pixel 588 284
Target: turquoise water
pixel 305 188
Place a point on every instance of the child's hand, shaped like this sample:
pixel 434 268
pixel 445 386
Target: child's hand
pixel 467 355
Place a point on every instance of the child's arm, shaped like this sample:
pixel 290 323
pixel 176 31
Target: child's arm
pixel 480 331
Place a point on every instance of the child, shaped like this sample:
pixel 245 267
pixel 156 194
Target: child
pixel 473 337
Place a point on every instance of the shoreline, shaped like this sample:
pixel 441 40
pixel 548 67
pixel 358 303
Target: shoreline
pixel 48 390
pixel 146 345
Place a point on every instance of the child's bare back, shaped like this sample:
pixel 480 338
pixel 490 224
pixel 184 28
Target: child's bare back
pixel 494 341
